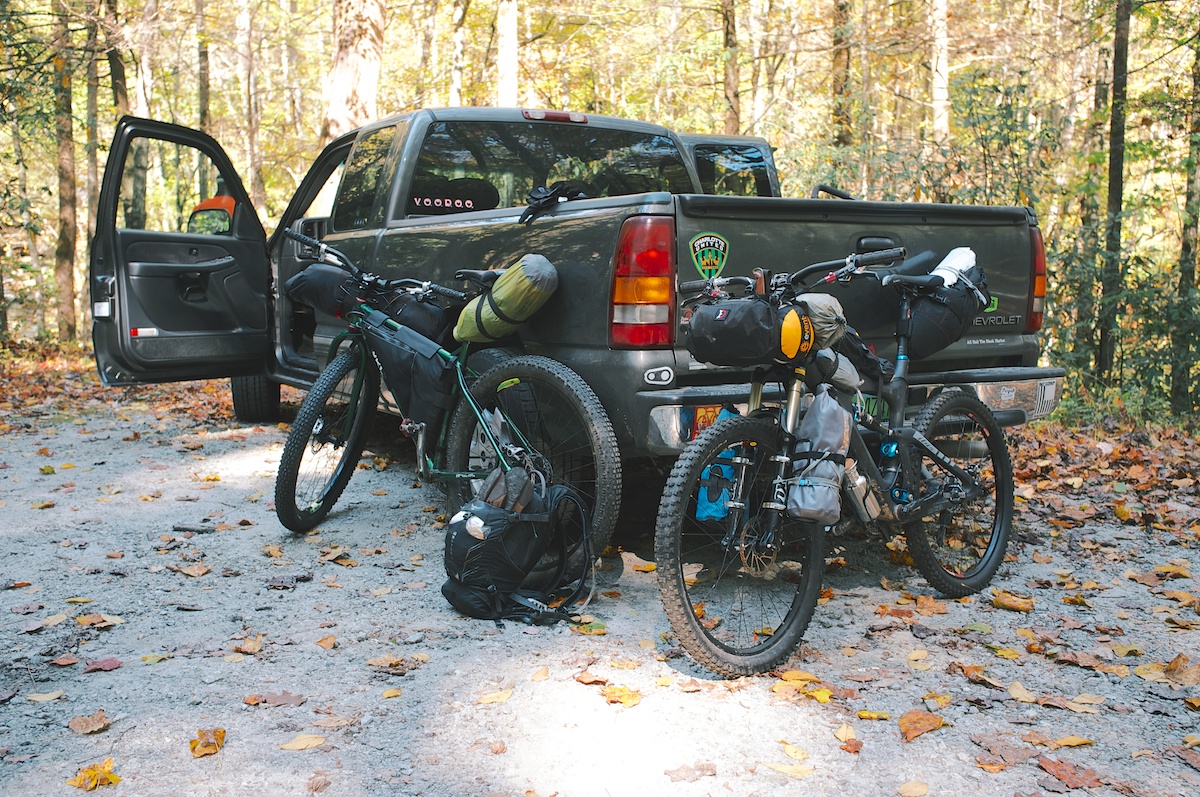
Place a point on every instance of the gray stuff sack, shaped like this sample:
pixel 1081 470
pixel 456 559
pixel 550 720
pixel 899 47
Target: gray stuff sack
pixel 819 461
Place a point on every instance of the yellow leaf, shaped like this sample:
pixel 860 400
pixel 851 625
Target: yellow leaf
pixel 821 695
pixel 45 697
pixel 421 657
pixel 794 770
pixel 621 694
pixel 791 751
pixel 648 567
pixel 207 742
pixel 394 692
pixel 79 600
pixel 1073 741
pixel 304 741
pixel 95 775
pixel 541 675
pixel 327 642
pixel 625 664
pixel 495 697
pixel 1003 599
pixel 913 788
pixel 798 675
pixel 1191 740
pixel 1020 693
pixel 664 680
pixel 1007 653
pixel 334 722
pixel 844 733
pixel 234 658
pixel 53 620
pixel 873 715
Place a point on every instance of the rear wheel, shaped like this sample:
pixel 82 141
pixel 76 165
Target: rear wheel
pixel 959 544
pixel 739 581
pixel 326 440
pixel 571 439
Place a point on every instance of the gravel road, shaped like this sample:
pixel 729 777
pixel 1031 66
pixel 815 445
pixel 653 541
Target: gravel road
pixel 143 575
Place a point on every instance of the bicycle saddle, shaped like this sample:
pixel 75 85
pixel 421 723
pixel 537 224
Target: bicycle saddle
pixel 481 277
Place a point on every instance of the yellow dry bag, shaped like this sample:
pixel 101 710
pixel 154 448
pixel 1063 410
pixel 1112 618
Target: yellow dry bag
pixel 515 296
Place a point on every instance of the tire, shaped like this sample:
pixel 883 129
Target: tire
pixel 719 598
pixel 321 453
pixel 563 421
pixel 959 549
pixel 255 398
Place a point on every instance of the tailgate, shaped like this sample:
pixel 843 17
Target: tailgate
pixel 738 234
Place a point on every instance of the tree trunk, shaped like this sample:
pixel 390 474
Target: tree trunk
pixel 1186 326
pixel 1087 343
pixel 843 129
pixel 1111 278
pixel 729 53
pixel 246 43
pixel 354 77
pixel 116 64
pixel 507 58
pixel 64 250
pixel 202 97
pixel 455 98
pixel 429 59
pixel 940 71
pixel 92 120
pixel 31 229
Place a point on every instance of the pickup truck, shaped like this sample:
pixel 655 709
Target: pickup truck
pixel 422 194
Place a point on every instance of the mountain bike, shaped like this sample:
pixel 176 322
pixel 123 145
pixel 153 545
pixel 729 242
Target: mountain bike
pixel 740 585
pixel 525 410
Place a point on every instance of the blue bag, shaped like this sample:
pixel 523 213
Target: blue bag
pixel 712 502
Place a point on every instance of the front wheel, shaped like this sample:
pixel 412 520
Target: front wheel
pixel 960 542
pixel 326 440
pixel 739 580
pixel 540 402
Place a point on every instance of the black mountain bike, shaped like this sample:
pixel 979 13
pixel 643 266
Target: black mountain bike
pixel 525 410
pixel 740 588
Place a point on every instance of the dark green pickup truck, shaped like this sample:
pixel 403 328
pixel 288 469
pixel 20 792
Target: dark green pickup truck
pixel 425 193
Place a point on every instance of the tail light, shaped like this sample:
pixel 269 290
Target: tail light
pixel 1037 294
pixel 643 290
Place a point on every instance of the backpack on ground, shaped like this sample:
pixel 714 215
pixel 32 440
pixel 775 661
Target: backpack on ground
pixel 499 536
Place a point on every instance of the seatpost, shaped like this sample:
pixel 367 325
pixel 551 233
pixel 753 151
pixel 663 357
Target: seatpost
pixel 895 392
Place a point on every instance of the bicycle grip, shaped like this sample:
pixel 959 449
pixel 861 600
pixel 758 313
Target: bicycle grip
pixel 692 285
pixel 882 256
pixel 447 292
pixel 302 238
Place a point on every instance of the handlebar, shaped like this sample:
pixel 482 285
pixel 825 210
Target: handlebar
pixel 715 282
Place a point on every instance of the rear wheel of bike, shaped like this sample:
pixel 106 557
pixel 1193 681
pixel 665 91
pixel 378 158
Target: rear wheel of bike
pixel 550 407
pixel 738 594
pixel 326 440
pixel 959 547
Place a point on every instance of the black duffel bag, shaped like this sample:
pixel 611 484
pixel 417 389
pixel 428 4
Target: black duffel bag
pixel 941 318
pixel 322 287
pixel 749 331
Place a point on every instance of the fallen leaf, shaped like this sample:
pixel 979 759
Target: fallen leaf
pixel 1072 776
pixel 335 722
pixel 588 679
pixel 304 741
pixel 328 642
pixel 250 645
pixel 207 742
pixel 495 697
pixel 1020 693
pixel 79 600
pixel 45 697
pixel 873 715
pixel 103 665
pixel 1072 741
pixel 918 721
pixel 794 752
pixel 913 788
pixel 1003 599
pixel 95 775
pixel 691 774
pixel 394 692
pixel 421 657
pixel 793 770
pixel 89 723
pixel 648 567
pixel 542 674
pixel 798 675
pixel 845 733
pixel 65 660
pixel 621 694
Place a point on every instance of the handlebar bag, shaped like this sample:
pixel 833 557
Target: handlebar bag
pixel 819 461
pixel 496 313
pixel 421 382
pixel 941 317
pixel 322 287
pixel 750 331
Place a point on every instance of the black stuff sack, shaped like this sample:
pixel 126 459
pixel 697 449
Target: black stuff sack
pixel 819 461
pixel 941 318
pixel 421 382
pixel 496 540
pixel 749 331
pixel 322 287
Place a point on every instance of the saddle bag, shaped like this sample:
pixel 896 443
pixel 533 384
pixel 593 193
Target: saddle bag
pixel 941 318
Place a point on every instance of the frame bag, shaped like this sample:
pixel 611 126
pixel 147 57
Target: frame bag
pixel 421 382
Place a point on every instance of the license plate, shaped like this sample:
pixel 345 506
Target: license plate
pixel 704 417
pixel 875 406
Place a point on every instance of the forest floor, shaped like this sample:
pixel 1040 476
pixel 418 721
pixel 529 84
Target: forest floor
pixel 150 603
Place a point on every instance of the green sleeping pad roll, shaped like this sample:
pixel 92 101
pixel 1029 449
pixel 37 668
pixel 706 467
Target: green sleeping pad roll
pixel 515 296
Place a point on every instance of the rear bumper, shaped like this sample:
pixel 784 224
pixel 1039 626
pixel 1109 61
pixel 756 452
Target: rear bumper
pixel 1015 395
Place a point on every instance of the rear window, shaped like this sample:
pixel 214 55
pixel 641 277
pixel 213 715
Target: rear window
pixel 733 169
pixel 467 166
